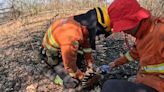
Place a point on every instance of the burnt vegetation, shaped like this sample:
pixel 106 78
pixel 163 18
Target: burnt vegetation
pixel 22 28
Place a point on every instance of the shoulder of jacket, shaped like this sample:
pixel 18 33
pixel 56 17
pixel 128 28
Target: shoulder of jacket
pixel 158 19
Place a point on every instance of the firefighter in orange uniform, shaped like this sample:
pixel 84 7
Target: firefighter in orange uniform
pixel 67 38
pixel 149 49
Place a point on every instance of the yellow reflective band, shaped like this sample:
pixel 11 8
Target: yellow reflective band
pixel 51 39
pixel 87 50
pixel 159 68
pixel 80 52
pixel 72 74
pixel 75 43
pixel 103 18
pixel 129 57
pixel 49 46
pixel 99 17
pixel 58 80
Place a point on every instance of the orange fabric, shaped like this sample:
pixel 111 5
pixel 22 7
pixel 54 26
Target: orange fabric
pixel 65 32
pixel 126 14
pixel 88 56
pixel 56 24
pixel 150 51
pixel 150 48
pixel 89 59
pixel 120 61
pixel 79 75
pixel 133 53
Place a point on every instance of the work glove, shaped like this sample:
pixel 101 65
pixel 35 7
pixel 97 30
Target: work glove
pixel 104 69
pixel 89 71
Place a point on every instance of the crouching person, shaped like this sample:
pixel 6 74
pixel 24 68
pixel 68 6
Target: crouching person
pixel 65 37
pixel 148 50
pixel 71 40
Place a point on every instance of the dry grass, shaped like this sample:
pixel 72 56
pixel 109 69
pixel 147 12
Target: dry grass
pixel 18 51
pixel 155 6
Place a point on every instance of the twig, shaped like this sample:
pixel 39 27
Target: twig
pixel 32 46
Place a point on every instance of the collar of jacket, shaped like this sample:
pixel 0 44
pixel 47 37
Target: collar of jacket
pixel 83 28
pixel 144 28
pixel 85 32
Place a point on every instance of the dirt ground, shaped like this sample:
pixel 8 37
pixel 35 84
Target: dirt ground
pixel 20 69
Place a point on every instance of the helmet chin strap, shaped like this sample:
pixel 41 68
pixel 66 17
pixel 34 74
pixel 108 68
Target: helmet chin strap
pixel 93 33
pixel 92 37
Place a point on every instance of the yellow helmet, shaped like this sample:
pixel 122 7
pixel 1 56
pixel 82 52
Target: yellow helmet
pixel 103 18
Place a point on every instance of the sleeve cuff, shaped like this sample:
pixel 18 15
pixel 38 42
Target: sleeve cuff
pixel 129 57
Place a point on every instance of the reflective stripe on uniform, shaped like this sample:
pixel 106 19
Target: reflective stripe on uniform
pixel 102 17
pixel 49 46
pixel 87 50
pixel 53 44
pixel 159 68
pixel 72 74
pixel 58 80
pixel 128 56
pixel 51 39
pixel 80 52
pixel 75 43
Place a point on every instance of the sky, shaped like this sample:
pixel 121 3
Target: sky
pixel 3 3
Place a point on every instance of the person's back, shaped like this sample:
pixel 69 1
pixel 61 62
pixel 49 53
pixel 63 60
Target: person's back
pixel 150 48
pixel 67 31
pixel 132 19
pixel 73 39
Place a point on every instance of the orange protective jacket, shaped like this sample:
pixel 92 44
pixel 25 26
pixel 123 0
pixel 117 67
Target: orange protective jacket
pixel 150 52
pixel 68 35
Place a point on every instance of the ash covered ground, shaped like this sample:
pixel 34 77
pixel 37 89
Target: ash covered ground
pixel 21 71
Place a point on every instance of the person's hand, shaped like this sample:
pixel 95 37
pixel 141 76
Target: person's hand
pixel 112 65
pixel 105 69
pixel 120 61
pixel 79 75
pixel 89 71
pixel 90 66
